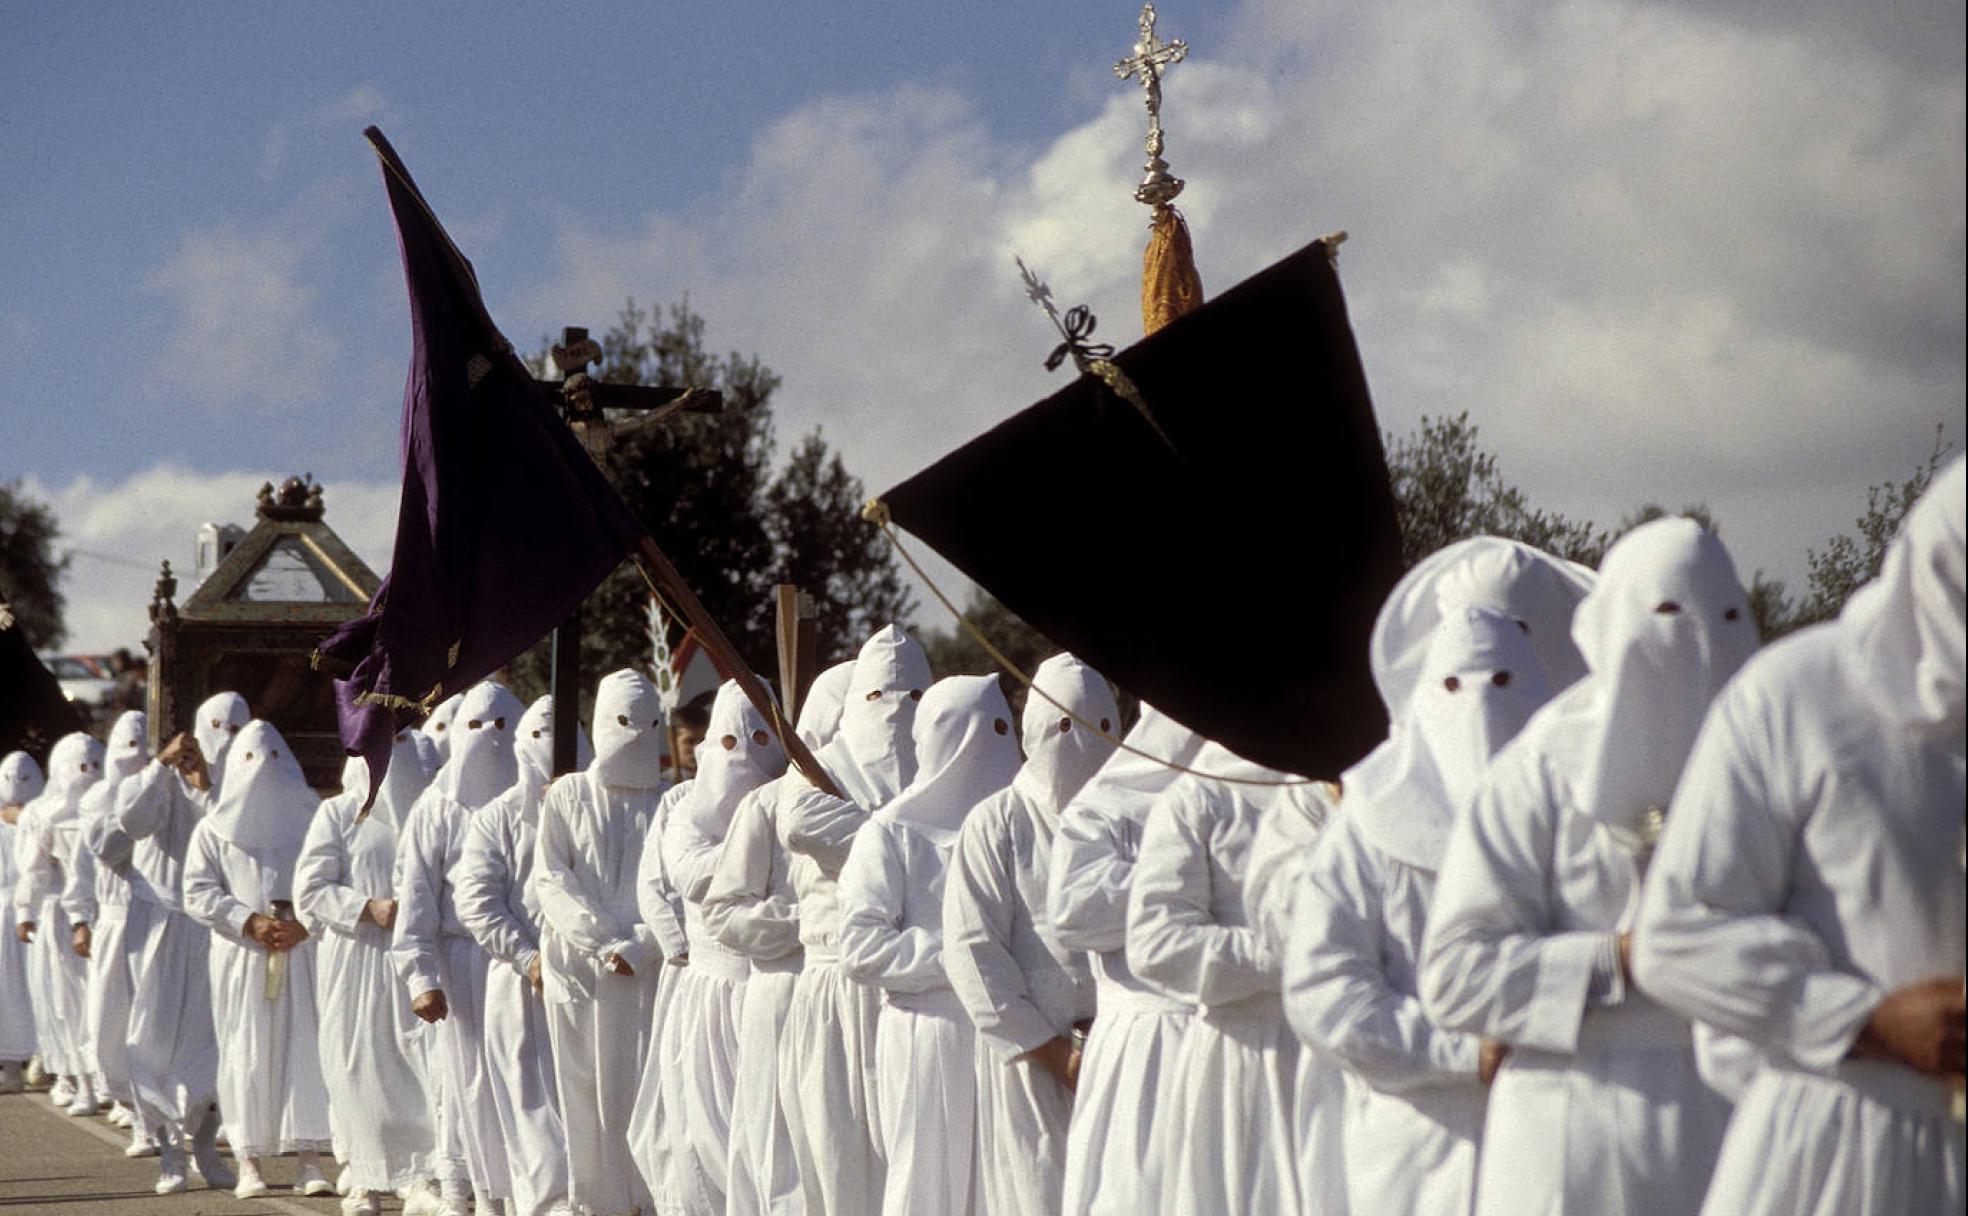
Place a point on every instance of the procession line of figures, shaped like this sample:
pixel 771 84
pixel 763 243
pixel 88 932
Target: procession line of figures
pixel 1619 919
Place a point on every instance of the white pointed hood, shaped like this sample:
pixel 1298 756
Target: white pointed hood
pixel 874 756
pixel 1666 626
pixel 128 749
pixel 1129 784
pixel 412 765
pixel 21 779
pixel 965 752
pixel 738 755
pixel 74 764
pixel 533 744
pixel 216 721
pixel 1060 754
pixel 820 714
pixel 629 739
pixel 1907 626
pixel 266 805
pixel 483 764
pixel 1480 683
pixel 1521 582
pixel 437 727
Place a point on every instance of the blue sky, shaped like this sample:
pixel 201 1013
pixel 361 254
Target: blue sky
pixel 1660 250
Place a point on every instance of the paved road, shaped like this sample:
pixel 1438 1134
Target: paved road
pixel 53 1163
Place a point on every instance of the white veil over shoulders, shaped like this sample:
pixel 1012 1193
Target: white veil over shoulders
pixel 965 753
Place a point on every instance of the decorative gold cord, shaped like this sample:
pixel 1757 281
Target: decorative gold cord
pixel 876 512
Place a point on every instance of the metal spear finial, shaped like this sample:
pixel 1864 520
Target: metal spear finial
pixel 1151 57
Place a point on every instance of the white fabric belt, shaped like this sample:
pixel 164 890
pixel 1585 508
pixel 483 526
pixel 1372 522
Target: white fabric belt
pixel 785 964
pixel 819 953
pixel 1896 1086
pixel 940 1001
pixel 1265 1007
pixel 1636 1024
pixel 708 958
pixel 112 912
pixel 1115 999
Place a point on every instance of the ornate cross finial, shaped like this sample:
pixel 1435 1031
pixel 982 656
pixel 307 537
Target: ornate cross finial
pixel 1151 57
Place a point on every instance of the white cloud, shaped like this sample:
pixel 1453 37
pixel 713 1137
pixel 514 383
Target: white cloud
pixel 118 532
pixel 1659 254
pixel 246 335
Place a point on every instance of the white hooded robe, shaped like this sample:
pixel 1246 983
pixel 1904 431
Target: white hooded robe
pixel 593 827
pixel 1114 1157
pixel 240 862
pixel 371 1045
pixel 1021 988
pixel 1812 864
pixel 891 938
pixel 1601 1106
pixel 21 782
pixel 494 899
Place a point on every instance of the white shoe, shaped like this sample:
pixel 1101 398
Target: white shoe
pixel 85 1099
pixel 118 1116
pixel 172 1175
pixel 313 1182
pixel 250 1184
pixel 421 1200
pixel 35 1074
pixel 365 1204
pixel 62 1092
pixel 140 1145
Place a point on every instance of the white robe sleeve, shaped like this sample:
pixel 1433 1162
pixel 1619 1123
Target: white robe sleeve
pixel 566 904
pixel 655 894
pixel 1491 963
pixel 875 947
pixel 1274 873
pixel 823 827
pixel 322 895
pixel 978 895
pixel 208 898
pixel 39 880
pixel 1337 993
pixel 740 909
pixel 143 804
pixel 1712 941
pixel 1173 939
pixel 419 879
pixel 1093 857
pixel 689 856
pixel 481 889
pixel 78 894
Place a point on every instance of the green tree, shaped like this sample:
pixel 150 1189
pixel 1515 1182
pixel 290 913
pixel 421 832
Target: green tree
pixel 1447 488
pixel 705 487
pixel 1847 561
pixel 821 545
pixel 30 573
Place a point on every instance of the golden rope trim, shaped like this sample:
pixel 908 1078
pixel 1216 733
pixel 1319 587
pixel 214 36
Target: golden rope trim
pixel 876 512
pixel 389 700
pixel 1110 374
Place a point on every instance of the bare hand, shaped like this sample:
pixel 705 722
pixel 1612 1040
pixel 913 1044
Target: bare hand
pixel 380 912
pixel 533 975
pixel 680 960
pixel 431 1006
pixel 80 939
pixel 10 813
pixel 274 935
pixel 25 930
pixel 1060 1061
pixel 1924 1026
pixel 182 753
pixel 1626 956
pixel 618 965
pixel 1489 1058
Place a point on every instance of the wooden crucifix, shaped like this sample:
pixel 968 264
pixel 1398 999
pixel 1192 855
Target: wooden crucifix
pixel 584 402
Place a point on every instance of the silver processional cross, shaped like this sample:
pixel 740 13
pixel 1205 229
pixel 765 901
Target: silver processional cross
pixel 1151 57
